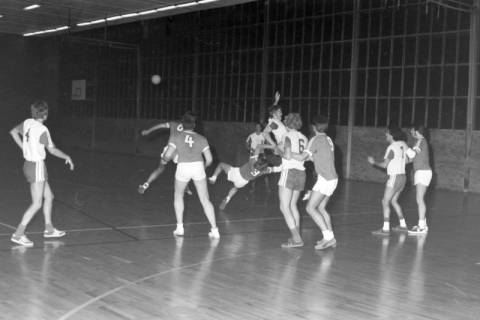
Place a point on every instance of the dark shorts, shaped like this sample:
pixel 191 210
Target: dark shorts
pixel 292 179
pixel 35 171
pixel 397 182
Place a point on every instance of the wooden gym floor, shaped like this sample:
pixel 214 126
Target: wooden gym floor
pixel 119 259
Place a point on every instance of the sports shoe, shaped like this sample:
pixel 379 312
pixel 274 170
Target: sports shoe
pixel 143 187
pixel 214 234
pixel 418 231
pixel 21 240
pixel 223 205
pixel 400 229
pixel 179 231
pixel 292 244
pixel 381 232
pixel 307 195
pixel 324 244
pixel 212 180
pixel 54 234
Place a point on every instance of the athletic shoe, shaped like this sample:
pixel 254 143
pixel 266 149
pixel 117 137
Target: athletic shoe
pixel 381 232
pixel 223 205
pixel 322 245
pixel 307 195
pixel 179 232
pixel 418 231
pixel 143 187
pixel 214 234
pixel 292 244
pixel 212 180
pixel 22 240
pixel 54 234
pixel 400 229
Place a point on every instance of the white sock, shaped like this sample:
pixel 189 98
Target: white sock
pixel 327 235
pixel 386 225
pixel 422 223
pixel 179 226
pixel 403 224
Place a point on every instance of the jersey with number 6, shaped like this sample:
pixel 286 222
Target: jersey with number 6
pixel 396 153
pixel 298 143
pixel 189 145
pixel 322 150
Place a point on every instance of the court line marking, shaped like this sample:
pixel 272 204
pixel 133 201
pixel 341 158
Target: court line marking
pixel 136 282
pixel 191 223
pixel 8 226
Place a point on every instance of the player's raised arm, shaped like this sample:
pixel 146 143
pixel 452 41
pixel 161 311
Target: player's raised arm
pixel 163 125
pixel 16 134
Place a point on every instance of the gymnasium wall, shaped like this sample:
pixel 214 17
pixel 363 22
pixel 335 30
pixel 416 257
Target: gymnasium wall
pixel 227 141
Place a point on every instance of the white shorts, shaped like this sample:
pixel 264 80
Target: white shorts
pixel 234 176
pixel 325 187
pixel 423 177
pixel 187 171
pixel 175 154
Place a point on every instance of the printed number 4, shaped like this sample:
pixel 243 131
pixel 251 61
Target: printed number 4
pixel 189 140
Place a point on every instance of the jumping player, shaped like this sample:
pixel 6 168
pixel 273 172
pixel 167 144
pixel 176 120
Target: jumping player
pixel 191 148
pixel 292 179
pixel 32 136
pixel 256 139
pixel 422 176
pixel 320 150
pixel 276 127
pixel 240 176
pixel 394 161
pixel 175 127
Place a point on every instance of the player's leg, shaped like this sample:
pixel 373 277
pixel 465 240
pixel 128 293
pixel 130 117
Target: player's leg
pixel 152 177
pixel 202 191
pixel 328 235
pixel 421 227
pixel 285 197
pixel 222 166
pixel 36 192
pixel 294 207
pixel 233 190
pixel 50 231
pixel 398 188
pixel 387 197
pixel 179 205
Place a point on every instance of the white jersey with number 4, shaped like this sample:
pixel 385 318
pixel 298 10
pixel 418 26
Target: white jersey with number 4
pixel 298 144
pixel 35 138
pixel 396 153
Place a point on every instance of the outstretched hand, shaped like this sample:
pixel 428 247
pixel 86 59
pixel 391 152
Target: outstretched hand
pixel 277 98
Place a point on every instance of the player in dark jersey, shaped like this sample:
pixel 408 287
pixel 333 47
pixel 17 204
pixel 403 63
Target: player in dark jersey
pixel 422 175
pixel 175 127
pixel 191 148
pixel 240 176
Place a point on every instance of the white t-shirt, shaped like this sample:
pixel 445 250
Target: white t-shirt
pixel 35 138
pixel 298 144
pixel 255 140
pixel 278 129
pixel 396 153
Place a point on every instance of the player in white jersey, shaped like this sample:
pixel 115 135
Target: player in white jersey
pixel 32 136
pixel 394 161
pixel 419 153
pixel 292 178
pixel 254 140
pixel 276 127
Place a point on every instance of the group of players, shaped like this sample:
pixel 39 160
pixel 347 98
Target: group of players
pixel 279 147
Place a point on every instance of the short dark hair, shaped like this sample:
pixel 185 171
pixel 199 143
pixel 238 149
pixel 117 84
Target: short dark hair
pixel 320 122
pixel 39 109
pixel 261 162
pixel 189 120
pixel 420 127
pixel 273 108
pixel 397 133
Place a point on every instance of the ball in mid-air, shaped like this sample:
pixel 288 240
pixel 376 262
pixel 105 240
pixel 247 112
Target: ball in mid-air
pixel 156 79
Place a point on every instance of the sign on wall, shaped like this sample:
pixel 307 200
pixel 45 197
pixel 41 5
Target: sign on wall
pixel 78 89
